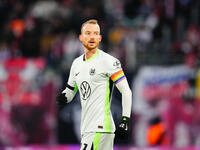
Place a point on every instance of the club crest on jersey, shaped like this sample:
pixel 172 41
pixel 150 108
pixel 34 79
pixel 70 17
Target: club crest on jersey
pixel 92 71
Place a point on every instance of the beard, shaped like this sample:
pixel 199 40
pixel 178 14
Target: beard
pixel 90 46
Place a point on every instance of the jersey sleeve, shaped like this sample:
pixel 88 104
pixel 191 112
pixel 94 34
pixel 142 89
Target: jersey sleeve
pixel 71 80
pixel 118 77
pixel 71 87
pixel 125 90
pixel 115 71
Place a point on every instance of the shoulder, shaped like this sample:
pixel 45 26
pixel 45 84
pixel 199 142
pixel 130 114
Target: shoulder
pixel 76 63
pixel 78 60
pixel 110 64
pixel 108 58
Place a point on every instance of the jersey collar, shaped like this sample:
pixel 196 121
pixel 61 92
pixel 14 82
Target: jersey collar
pixel 93 56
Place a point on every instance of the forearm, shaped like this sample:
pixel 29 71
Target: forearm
pixel 122 131
pixel 123 87
pixel 126 103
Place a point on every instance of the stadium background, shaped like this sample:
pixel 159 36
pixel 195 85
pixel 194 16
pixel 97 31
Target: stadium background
pixel 157 42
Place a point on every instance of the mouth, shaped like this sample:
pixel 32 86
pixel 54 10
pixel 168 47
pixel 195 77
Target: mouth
pixel 91 42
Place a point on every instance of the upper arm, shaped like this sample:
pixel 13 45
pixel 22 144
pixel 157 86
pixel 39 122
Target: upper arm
pixel 71 80
pixel 71 87
pixel 115 71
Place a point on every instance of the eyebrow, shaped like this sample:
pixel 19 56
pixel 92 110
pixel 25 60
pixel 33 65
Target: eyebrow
pixel 92 31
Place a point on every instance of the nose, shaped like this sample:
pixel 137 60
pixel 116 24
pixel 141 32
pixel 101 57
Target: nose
pixel 92 36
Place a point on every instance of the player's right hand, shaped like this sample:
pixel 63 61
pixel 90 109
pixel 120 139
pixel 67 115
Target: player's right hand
pixel 61 100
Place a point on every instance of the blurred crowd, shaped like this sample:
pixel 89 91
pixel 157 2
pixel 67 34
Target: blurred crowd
pixel 137 32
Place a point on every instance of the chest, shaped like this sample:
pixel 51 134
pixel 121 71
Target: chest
pixel 92 73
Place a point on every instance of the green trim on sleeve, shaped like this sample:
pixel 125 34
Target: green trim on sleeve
pixel 96 141
pixel 76 88
pixel 107 109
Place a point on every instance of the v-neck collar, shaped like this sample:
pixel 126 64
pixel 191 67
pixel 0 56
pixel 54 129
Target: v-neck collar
pixel 92 57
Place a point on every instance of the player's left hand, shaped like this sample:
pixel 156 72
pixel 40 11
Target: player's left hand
pixel 123 128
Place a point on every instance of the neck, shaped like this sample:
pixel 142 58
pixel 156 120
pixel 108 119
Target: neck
pixel 89 53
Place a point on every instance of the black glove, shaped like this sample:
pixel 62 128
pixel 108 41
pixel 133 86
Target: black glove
pixel 123 129
pixel 61 100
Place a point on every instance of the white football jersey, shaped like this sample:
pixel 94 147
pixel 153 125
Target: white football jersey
pixel 94 79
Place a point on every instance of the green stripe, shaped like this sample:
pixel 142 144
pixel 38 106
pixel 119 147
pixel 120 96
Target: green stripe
pixel 107 109
pixel 93 56
pixel 96 141
pixel 76 88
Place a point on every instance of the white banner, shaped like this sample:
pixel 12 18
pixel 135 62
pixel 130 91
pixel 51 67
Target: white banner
pixel 155 82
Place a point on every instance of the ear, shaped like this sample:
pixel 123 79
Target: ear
pixel 80 37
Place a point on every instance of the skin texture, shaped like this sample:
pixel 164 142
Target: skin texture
pixel 90 38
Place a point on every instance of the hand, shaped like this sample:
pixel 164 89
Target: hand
pixel 61 100
pixel 123 128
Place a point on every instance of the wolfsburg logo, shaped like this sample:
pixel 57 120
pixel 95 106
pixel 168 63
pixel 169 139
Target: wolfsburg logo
pixel 92 71
pixel 85 90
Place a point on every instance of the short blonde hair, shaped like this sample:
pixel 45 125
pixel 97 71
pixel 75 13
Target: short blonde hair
pixel 91 21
